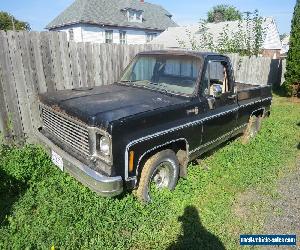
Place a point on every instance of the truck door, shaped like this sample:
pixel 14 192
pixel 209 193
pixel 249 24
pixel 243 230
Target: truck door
pixel 217 87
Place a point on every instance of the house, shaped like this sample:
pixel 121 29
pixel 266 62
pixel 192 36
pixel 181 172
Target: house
pixel 175 37
pixel 285 46
pixel 112 21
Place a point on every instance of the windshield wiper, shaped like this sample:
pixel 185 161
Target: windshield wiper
pixel 130 83
pixel 158 87
pixel 150 85
pixel 125 81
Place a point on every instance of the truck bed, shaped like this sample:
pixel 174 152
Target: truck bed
pixel 253 92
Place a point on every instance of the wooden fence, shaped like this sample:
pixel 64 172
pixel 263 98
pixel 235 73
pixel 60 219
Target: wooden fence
pixel 33 63
pixel 257 70
pixel 283 71
pixel 38 62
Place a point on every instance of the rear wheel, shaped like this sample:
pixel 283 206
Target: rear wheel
pixel 254 126
pixel 160 171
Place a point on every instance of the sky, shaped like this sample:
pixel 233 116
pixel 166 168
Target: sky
pixel 40 12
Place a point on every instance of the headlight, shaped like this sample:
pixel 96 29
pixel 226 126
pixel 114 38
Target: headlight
pixel 104 146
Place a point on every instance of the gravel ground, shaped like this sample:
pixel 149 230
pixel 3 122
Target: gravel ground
pixel 281 213
pixel 286 218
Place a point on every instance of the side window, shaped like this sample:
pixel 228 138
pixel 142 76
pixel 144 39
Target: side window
pixel 215 81
pixel 109 36
pixel 71 34
pixel 150 37
pixel 123 39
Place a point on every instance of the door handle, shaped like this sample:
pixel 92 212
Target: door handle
pixel 232 97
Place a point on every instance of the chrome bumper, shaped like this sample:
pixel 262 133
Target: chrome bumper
pixel 102 185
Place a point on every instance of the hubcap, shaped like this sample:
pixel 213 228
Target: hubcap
pixel 161 177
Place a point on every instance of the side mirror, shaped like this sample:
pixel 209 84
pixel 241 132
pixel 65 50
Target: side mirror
pixel 216 90
pixel 211 102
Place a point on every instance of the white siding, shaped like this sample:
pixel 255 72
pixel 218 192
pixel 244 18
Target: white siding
pixel 77 30
pixel 136 37
pixel 92 33
pixel 272 39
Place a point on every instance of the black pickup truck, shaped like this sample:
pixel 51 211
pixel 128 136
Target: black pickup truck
pixel 168 108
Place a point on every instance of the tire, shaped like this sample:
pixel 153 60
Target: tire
pixel 254 126
pixel 162 170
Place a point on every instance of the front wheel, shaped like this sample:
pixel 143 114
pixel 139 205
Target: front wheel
pixel 160 171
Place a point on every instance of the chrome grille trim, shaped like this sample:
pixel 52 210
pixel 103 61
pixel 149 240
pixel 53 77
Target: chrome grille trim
pixel 66 129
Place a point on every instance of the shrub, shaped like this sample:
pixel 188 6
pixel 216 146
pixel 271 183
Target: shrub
pixel 292 76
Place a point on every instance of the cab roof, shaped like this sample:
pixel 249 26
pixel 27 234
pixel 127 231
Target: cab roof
pixel 201 55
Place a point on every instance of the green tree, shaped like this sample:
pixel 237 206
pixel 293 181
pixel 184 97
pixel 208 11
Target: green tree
pixel 9 22
pixel 222 13
pixel 292 75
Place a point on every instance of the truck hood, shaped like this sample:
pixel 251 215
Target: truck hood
pixel 99 106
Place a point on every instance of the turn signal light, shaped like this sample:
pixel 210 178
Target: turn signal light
pixel 131 160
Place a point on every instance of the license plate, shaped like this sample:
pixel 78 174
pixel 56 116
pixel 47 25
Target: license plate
pixel 57 160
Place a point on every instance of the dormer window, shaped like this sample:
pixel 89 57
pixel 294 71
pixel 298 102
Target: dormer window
pixel 138 16
pixel 134 15
pixel 131 16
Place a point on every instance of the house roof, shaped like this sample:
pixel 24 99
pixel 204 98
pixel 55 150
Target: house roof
pixel 109 12
pixel 174 37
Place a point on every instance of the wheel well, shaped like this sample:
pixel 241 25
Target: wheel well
pixel 180 147
pixel 258 113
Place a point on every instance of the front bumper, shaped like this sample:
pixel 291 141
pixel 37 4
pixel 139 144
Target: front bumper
pixel 102 185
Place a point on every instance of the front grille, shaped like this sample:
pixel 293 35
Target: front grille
pixel 66 130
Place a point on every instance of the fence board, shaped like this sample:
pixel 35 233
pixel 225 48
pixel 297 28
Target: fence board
pixel 26 89
pixel 65 61
pixel 14 124
pixel 82 64
pixel 283 71
pixel 104 69
pixel 3 108
pixel 56 61
pixel 37 62
pixel 30 86
pixel 46 62
pixel 15 40
pixel 97 64
pixel 75 70
pixel 90 68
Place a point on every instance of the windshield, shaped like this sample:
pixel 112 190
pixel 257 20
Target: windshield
pixel 173 74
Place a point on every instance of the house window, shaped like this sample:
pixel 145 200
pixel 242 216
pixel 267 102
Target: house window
pixel 109 36
pixel 151 36
pixel 138 16
pixel 135 15
pixel 131 16
pixel 123 39
pixel 71 34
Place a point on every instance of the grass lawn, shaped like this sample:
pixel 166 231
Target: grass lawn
pixel 41 207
